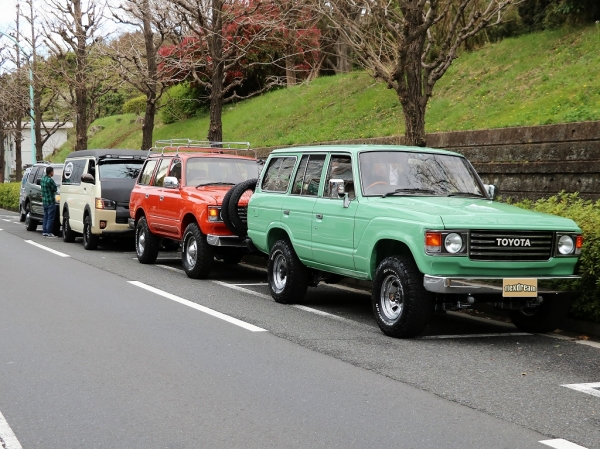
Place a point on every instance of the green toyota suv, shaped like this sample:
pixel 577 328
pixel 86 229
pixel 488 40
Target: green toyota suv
pixel 420 224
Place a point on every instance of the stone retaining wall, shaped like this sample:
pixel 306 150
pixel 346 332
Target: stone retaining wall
pixel 524 162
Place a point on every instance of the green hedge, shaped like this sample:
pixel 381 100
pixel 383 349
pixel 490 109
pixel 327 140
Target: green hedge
pixel 136 105
pixel 587 216
pixel 9 195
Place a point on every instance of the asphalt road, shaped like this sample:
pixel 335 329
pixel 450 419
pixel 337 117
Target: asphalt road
pixel 89 359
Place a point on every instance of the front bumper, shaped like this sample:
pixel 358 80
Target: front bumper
pixel 230 241
pixel 493 285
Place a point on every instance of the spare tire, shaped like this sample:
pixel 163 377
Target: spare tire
pixel 229 208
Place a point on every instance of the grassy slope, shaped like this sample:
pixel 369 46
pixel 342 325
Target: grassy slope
pixel 541 78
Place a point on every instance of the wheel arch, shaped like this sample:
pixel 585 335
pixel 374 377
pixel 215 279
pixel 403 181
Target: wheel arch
pixel 188 219
pixel 276 234
pixel 384 248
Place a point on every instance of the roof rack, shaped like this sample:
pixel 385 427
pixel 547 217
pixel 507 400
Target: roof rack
pixel 204 146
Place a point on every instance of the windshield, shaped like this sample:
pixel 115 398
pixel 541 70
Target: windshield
pixel 120 169
pixel 201 171
pixel 400 172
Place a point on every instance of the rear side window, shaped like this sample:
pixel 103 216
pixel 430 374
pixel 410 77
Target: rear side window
pixel 308 176
pixel 146 175
pixel 71 175
pixel 278 174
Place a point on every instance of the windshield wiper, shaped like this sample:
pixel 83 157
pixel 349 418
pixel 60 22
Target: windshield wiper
pixel 407 191
pixel 477 195
pixel 216 184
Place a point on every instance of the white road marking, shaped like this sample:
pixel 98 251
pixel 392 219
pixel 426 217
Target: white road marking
pixel 5 219
pixel 503 334
pixel 593 388
pixel 242 289
pixel 193 305
pixel 1 229
pixel 258 283
pixel 326 314
pixel 561 444
pixel 7 436
pixel 179 270
pixel 58 253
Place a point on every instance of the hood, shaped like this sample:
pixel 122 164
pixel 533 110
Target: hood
pixel 472 213
pixel 214 195
pixel 118 190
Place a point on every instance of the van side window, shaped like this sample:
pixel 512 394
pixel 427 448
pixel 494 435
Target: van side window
pixel 308 178
pixel 146 173
pixel 72 172
pixel 278 174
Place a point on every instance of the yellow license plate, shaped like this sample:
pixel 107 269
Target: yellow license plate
pixel 520 288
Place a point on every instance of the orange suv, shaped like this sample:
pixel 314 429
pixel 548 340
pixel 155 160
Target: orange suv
pixel 178 196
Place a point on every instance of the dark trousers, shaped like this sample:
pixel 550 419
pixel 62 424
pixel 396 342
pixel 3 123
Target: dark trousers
pixel 49 211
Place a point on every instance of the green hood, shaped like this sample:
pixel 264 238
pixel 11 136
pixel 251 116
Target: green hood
pixel 472 213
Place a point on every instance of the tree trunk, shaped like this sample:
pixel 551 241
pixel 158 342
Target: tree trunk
pixel 2 162
pixel 81 107
pixel 290 72
pixel 37 123
pixel 80 116
pixel 215 130
pixel 18 145
pixel 148 126
pixel 342 55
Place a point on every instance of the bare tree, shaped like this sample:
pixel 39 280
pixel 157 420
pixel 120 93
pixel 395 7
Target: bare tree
pixel 72 32
pixel 224 34
pixel 137 57
pixel 410 44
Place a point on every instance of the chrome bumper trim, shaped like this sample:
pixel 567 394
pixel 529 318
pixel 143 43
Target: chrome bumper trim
pixel 231 241
pixel 487 285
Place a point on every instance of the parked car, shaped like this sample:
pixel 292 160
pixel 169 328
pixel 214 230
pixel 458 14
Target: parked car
pixel 96 185
pixel 22 214
pixel 178 196
pixel 420 224
pixel 31 202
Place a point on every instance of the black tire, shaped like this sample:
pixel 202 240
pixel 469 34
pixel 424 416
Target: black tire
pixel 146 243
pixel 90 241
pixel 225 210
pixel 288 277
pixel 22 213
pixel 234 222
pixel 31 224
pixel 546 317
pixel 68 235
pixel 197 255
pixel 401 305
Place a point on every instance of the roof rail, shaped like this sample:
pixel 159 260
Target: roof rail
pixel 204 146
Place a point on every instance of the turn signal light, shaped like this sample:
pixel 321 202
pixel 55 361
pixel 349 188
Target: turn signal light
pixel 433 242
pixel 214 213
pixel 578 244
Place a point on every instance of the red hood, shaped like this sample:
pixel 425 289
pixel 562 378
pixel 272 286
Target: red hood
pixel 214 195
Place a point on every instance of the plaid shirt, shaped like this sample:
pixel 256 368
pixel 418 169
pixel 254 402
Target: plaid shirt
pixel 49 189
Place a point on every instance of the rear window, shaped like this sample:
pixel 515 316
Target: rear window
pixel 120 169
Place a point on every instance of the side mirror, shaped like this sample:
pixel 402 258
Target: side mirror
pixel 87 178
pixel 170 182
pixel 491 190
pixel 336 188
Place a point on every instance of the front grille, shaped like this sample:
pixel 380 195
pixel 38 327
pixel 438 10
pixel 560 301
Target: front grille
pixel 243 214
pixel 533 245
pixel 122 220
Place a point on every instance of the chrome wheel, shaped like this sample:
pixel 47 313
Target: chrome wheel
pixel 279 272
pixel 141 243
pixel 392 297
pixel 191 251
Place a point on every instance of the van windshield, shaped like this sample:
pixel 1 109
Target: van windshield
pixel 119 169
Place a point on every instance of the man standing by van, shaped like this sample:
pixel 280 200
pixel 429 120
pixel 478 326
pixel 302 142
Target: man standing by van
pixel 49 189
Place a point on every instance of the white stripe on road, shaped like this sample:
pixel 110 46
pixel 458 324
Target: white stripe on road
pixel 1 229
pixel 204 309
pixel 593 388
pixel 242 289
pixel 167 267
pixel 53 251
pixel 325 314
pixel 503 334
pixel 561 444
pixel 6 220
pixel 7 436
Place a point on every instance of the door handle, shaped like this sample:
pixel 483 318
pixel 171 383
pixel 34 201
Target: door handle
pixel 147 195
pixel 162 197
pixel 286 212
pixel 319 216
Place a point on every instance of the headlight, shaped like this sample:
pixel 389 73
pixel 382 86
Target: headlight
pixel 214 213
pixel 57 198
pixel 566 245
pixel 453 243
pixel 103 203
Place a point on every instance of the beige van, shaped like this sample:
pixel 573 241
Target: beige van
pixel 96 185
